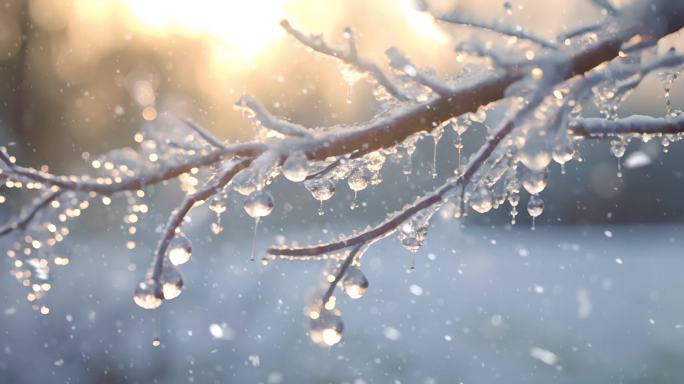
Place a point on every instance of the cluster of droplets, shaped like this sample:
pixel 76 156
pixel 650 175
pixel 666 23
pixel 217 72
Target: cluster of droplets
pixel 325 321
pixel 152 291
pixel 33 250
pixel 322 189
pixel 135 210
pixel 413 231
pixel 219 205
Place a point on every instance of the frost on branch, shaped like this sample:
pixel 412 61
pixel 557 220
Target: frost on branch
pixel 529 97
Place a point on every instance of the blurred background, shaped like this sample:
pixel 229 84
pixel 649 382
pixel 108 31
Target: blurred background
pixel 592 296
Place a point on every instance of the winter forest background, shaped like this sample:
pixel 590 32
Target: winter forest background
pixel 591 295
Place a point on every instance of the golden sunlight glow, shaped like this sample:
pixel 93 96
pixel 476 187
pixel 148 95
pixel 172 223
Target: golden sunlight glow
pixel 244 28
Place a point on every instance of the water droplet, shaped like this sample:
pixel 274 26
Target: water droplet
pixel 243 182
pixel 481 199
pixel 562 153
pixel 171 281
pixel 259 204
pixel 326 329
pixel 355 283
pixel 534 182
pixel 296 167
pixel 148 295
pixel 358 181
pixel 321 189
pixel 156 342
pixel 535 207
pixel 179 250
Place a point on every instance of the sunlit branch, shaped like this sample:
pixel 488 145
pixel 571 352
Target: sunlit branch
pixel 86 184
pixel 317 44
pixel 267 120
pixel 500 29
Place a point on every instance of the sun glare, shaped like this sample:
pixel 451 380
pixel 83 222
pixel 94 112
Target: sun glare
pixel 245 29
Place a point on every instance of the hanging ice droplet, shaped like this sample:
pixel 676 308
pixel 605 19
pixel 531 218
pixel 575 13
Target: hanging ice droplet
pixel 514 200
pixel 460 126
pixel 618 148
pixel 148 294
pixel 562 153
pixel 481 199
pixel 534 182
pixel 350 76
pixel 321 189
pixel 535 207
pixel 179 249
pixel 355 284
pixel 243 182
pixel 171 281
pixel 296 167
pixel 326 329
pixel 258 204
pixel 436 136
pixel 218 205
pixel 358 181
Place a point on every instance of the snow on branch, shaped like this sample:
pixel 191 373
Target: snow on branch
pixel 269 121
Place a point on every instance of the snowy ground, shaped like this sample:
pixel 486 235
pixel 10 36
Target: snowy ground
pixel 558 305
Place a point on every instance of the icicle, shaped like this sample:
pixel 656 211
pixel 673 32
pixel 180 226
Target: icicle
pixel 358 181
pixel 460 126
pixel 535 207
pixel 436 135
pixel 321 189
pixel 258 204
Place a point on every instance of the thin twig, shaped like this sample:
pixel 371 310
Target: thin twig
pixel 269 121
pixel 204 134
pixel 500 29
pixel 317 44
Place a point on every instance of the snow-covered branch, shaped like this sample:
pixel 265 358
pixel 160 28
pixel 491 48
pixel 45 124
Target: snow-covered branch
pixel 637 124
